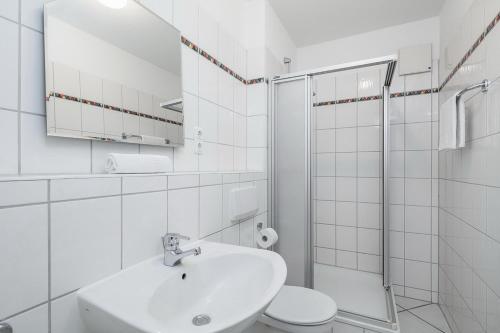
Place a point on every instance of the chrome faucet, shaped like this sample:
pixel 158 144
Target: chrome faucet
pixel 172 254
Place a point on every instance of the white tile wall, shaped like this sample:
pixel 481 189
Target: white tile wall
pixel 469 248
pixel 348 166
pixel 98 225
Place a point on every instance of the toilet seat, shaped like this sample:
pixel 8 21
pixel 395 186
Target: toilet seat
pixel 300 310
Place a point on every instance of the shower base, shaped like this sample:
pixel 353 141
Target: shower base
pixel 359 295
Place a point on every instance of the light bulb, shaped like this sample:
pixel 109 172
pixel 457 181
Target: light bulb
pixel 115 4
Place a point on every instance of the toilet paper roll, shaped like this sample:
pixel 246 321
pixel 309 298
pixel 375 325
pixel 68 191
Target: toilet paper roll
pixel 267 238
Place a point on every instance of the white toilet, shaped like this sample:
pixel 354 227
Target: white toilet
pixel 298 310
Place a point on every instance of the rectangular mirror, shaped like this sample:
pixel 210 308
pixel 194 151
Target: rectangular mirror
pixel 113 73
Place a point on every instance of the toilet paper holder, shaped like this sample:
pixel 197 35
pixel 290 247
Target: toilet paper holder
pixel 259 226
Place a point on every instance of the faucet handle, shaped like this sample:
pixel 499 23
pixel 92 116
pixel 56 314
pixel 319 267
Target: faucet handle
pixel 171 241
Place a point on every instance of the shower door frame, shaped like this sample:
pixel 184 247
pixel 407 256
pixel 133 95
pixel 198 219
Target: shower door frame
pixel 307 76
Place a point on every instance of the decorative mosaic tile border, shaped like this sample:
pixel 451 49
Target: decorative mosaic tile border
pixel 219 64
pixel 110 107
pixel 377 97
pixel 471 50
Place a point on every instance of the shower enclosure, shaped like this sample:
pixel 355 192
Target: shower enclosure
pixel 330 162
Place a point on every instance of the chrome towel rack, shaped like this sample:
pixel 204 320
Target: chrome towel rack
pixel 484 86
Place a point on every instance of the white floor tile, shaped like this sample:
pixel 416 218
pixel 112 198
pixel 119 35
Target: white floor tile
pixel 409 303
pixel 433 315
pixel 411 324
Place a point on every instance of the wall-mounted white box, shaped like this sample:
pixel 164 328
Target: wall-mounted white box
pixel 415 59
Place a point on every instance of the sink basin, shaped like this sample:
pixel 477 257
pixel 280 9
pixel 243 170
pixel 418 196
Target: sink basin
pixel 225 289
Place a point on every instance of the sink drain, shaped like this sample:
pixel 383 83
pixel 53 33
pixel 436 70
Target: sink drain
pixel 201 320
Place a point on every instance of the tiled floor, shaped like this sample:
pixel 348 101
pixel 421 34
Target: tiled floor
pixel 420 317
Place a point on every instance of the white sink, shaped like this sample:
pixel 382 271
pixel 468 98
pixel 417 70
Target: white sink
pixel 231 285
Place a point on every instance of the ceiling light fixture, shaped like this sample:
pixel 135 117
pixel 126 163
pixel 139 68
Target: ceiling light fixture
pixel 115 4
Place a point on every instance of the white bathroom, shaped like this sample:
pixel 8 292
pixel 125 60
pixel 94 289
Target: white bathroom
pixel 250 166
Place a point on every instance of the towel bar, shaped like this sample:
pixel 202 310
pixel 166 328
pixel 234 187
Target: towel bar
pixel 484 85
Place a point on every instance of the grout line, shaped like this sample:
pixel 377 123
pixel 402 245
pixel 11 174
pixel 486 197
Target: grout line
pixel 49 222
pixel 19 69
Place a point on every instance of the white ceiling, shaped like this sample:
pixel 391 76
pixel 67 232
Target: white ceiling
pixel 315 21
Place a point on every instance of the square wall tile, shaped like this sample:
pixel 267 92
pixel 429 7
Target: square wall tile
pixel 257 99
pixel 226 90
pixel 23 192
pixel 345 115
pixel 347 85
pixel 418 274
pixel 418 164
pixel 24 250
pixel 418 108
pixel 325 188
pixel 247 233
pixel 210 210
pixel 369 82
pixel 257 131
pixel 346 140
pixel 325 165
pixel 325 212
pixel 325 236
pixel 345 213
pixel 137 184
pixel 209 160
pixel 32 72
pixel 10 10
pixel 42 154
pixel 208 80
pixel 369 190
pixel 325 256
pixel 9 65
pixel 79 188
pixel 225 126
pixel 183 212
pixel 208 121
pixel 324 117
pixel 325 140
pixel 346 164
pixel 189 70
pixel 346 238
pixel 418 136
pixel 231 235
pixel 369 215
pixel 34 320
pixel 144 223
pixel 65 315
pixel 369 138
pixel 369 241
pixel 369 113
pixel 85 242
pixel 347 259
pixel 8 142
pixel 418 192
pixel 185 158
pixel 418 247
pixel 346 189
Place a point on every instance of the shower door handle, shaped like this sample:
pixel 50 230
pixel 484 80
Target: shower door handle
pixel 5 328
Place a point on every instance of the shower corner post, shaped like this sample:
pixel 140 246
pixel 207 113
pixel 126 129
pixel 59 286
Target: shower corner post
pixel 272 161
pixel 309 278
pixel 386 163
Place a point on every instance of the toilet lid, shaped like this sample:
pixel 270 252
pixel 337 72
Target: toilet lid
pixel 301 306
